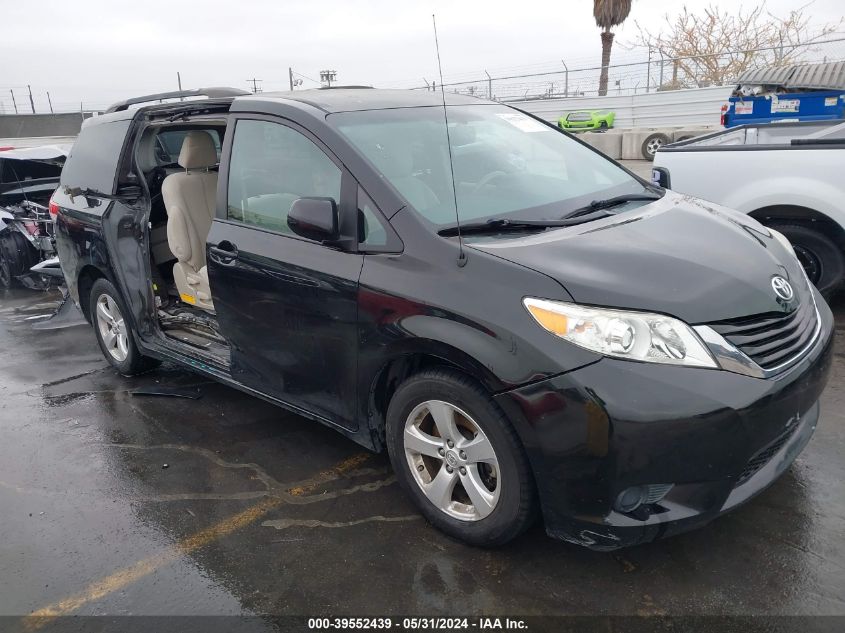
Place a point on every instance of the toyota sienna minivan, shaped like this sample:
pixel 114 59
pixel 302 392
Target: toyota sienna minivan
pixel 526 327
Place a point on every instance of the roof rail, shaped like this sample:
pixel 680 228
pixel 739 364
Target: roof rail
pixel 212 93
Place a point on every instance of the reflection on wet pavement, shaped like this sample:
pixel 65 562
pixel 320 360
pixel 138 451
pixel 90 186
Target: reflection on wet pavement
pixel 118 503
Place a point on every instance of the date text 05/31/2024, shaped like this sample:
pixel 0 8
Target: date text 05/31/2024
pixel 418 623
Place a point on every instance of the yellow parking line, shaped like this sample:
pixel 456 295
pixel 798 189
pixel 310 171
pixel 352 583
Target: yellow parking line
pixel 128 575
pixel 121 578
pixel 332 473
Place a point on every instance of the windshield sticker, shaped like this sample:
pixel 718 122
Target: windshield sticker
pixel 524 123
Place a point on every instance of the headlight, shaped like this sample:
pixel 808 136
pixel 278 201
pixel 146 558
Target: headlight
pixel 641 336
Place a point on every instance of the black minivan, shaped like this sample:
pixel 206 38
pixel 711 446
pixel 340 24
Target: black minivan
pixel 523 324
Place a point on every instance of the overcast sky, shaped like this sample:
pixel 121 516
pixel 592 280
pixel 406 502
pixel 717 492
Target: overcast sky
pixel 99 51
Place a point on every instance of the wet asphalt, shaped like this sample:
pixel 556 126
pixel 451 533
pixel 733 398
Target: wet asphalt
pixel 120 503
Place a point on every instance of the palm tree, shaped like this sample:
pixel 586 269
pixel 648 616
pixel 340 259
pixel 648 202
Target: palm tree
pixel 608 13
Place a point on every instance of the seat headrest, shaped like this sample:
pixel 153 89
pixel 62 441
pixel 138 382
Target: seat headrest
pixel 146 153
pixel 197 151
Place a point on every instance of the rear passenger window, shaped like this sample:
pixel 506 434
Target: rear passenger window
pixel 271 166
pixel 93 159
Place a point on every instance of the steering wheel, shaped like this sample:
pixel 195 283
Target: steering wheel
pixel 488 179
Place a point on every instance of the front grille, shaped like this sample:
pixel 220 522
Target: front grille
pixel 774 338
pixel 762 458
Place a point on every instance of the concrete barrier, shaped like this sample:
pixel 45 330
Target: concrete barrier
pixel 608 143
pixel 27 125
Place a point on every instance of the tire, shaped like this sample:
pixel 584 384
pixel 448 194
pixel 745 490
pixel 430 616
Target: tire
pixel 652 143
pixel 603 125
pixel 494 466
pixel 17 256
pixel 114 333
pixel 820 256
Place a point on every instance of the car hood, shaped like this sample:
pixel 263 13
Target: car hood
pixel 679 255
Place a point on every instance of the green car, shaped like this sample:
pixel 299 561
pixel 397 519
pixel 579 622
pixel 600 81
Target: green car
pixel 587 120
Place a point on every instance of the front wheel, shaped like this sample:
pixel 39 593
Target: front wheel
pixel 113 331
pixel 17 256
pixel 459 459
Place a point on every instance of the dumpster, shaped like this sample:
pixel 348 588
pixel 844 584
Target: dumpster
pixel 800 92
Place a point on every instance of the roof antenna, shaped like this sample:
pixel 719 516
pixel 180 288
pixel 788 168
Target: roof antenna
pixel 462 258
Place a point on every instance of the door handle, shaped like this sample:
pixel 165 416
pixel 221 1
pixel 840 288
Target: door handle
pixel 223 253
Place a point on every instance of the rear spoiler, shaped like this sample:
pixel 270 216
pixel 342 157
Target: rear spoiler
pixel 211 93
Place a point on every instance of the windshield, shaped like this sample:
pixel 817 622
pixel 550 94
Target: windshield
pixel 505 162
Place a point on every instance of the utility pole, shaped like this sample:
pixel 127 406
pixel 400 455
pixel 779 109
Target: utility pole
pixel 328 76
pixel 50 101
pixel 489 85
pixel 290 77
pixel 565 78
pixel 254 83
pixel 14 103
pixel 31 102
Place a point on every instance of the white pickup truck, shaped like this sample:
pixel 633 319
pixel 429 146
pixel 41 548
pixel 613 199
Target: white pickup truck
pixel 789 176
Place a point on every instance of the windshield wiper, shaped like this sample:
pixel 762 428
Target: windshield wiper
pixel 597 205
pixel 129 192
pixel 503 225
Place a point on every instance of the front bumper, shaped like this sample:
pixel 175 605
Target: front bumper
pixel 719 437
pixel 580 125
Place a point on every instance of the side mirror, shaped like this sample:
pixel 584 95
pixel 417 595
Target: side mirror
pixel 315 219
pixel 660 177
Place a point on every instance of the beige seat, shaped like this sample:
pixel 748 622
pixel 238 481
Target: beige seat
pixel 190 200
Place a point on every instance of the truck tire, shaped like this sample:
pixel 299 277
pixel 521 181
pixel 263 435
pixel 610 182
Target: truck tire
pixel 821 258
pixel 17 256
pixel 652 143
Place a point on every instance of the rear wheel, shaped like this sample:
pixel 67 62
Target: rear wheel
pixel 819 255
pixel 113 331
pixel 459 459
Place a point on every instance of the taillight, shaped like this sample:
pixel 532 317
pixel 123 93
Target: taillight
pixel 724 114
pixel 54 209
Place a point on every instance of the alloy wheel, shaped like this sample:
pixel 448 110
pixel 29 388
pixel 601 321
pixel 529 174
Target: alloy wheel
pixel 452 460
pixel 112 328
pixel 654 145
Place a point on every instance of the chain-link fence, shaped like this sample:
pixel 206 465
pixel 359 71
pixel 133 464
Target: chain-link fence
pixel 639 71
pixel 633 71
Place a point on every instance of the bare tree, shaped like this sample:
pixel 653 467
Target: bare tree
pixel 608 13
pixel 714 46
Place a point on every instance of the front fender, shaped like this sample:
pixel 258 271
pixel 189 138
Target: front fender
pixel 816 194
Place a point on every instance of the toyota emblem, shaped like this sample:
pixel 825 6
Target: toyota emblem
pixel 782 288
